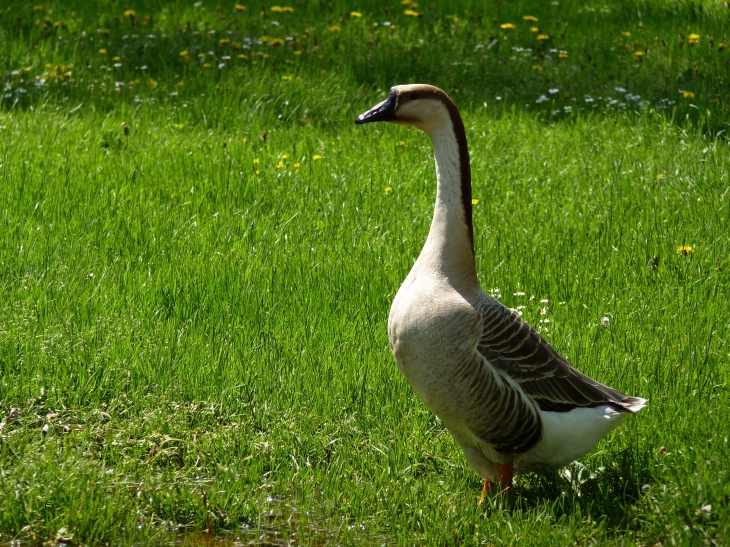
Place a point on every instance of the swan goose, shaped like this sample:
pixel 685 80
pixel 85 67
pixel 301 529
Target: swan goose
pixel 507 398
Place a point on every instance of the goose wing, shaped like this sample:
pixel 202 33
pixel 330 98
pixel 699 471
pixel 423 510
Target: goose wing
pixel 513 346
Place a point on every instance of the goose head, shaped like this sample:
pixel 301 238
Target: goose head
pixel 423 106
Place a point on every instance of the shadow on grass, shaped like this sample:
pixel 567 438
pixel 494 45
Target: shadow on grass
pixel 606 494
pixel 596 64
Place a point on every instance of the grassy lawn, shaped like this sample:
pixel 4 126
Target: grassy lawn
pixel 198 251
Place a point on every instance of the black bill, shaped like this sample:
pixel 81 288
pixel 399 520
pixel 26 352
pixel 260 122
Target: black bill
pixel 382 112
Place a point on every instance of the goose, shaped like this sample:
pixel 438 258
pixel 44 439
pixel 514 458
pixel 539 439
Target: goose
pixel 510 401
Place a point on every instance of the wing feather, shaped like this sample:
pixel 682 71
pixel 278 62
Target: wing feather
pixel 513 346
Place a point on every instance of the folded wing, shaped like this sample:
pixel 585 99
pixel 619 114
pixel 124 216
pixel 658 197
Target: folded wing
pixel 513 346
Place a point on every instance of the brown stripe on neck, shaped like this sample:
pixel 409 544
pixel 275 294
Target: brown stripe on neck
pixel 464 165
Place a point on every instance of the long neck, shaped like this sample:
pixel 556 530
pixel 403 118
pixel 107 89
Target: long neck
pixel 450 244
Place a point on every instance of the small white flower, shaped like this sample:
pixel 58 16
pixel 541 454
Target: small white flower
pixel 518 293
pixel 544 301
pixel 605 322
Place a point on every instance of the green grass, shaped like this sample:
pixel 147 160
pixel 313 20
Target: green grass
pixel 204 333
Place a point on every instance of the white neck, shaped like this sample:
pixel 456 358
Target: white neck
pixel 449 249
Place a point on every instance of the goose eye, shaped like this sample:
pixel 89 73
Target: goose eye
pixel 413 96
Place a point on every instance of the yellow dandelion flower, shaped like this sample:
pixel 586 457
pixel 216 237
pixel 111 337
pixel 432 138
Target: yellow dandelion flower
pixel 335 28
pixel 130 13
pixel 530 18
pixel 388 189
pixel 685 250
pixel 688 95
pixel 411 13
pixel 256 161
pixel 116 58
pixel 287 78
pixel 183 53
pixel 287 9
pixel 242 56
pixel 206 65
pixel 265 39
pixel 562 55
pixel 694 39
pixel 537 67
pixel 507 26
pixel 201 55
pixel 224 42
pixel 284 156
pixel 543 37
pixel 402 143
pixel 721 47
pixel 627 34
pixel 297 165
pixel 474 201
pixel 316 157
pixel 102 51
pixel 660 176
pixel 355 14
pixel 258 171
pixel 534 30
pixel 276 42
pixel 280 165
pixel 49 65
pixel 298 52
pixel 638 54
pixel 240 8
pixel 276 9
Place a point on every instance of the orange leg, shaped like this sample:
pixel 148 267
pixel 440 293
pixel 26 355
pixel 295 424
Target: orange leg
pixel 505 472
pixel 485 491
